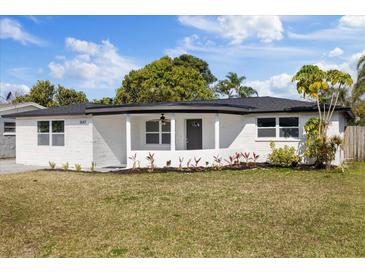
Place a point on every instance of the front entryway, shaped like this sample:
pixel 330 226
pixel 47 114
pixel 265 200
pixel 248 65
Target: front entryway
pixel 194 136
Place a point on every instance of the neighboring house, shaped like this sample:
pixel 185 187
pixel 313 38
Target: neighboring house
pixel 109 135
pixel 8 128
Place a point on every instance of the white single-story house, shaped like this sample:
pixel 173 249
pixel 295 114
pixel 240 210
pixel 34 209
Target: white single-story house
pixel 7 126
pixel 110 135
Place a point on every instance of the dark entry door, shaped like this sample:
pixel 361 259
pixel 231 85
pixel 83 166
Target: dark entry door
pixel 194 138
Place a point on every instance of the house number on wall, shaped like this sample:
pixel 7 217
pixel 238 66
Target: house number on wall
pixel 82 122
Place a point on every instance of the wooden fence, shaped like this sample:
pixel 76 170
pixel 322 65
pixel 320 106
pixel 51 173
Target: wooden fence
pixel 354 143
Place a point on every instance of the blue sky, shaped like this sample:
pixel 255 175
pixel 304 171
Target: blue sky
pixel 93 53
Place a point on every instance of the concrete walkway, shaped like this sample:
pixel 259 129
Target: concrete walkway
pixel 8 166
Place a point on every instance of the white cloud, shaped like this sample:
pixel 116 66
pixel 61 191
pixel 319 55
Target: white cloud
pixel 238 28
pixel 93 65
pixel 352 21
pixel 12 29
pixel 227 53
pixel 335 52
pixel 348 66
pixel 348 28
pixel 80 46
pixel 278 85
pixel 17 89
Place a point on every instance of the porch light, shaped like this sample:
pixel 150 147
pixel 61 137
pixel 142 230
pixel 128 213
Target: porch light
pixel 162 118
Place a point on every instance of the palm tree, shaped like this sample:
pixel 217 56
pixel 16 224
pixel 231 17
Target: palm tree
pixel 232 87
pixel 359 87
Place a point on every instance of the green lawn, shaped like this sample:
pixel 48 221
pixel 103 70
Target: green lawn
pixel 252 213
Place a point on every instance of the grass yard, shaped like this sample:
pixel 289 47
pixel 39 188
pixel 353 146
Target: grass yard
pixel 252 213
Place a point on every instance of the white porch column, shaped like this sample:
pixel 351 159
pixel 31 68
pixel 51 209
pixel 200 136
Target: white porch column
pixel 128 134
pixel 216 131
pixel 173 127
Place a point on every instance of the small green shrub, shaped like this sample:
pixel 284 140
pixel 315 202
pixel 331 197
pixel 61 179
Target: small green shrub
pixel 92 167
pixel 78 167
pixel 285 156
pixel 66 166
pixel 52 165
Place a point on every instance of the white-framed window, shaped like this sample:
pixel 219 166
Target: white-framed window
pixel 51 133
pixel 158 132
pixel 278 127
pixel 266 127
pixel 9 127
pixel 288 127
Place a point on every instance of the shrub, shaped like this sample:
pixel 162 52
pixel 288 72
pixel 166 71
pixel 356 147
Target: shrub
pixel 92 167
pixel 318 147
pixel 285 156
pixel 52 165
pixel 65 166
pixel 78 167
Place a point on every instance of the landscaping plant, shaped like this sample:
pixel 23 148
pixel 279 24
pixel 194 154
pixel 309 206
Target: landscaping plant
pixel 217 161
pixel 134 159
pixel 181 160
pixel 92 167
pixel 197 160
pixel 325 88
pixel 52 165
pixel 318 147
pixel 285 156
pixel 78 167
pixel 151 160
pixel 65 166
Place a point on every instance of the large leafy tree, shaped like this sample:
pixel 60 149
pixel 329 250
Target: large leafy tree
pixel 104 101
pixel 41 93
pixel 188 60
pixel 66 96
pixel 233 87
pixel 166 80
pixel 46 94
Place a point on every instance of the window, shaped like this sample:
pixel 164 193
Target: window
pixel 43 133
pixel 9 127
pixel 289 127
pixel 266 127
pixel 283 127
pixel 58 133
pixel 158 132
pixel 55 129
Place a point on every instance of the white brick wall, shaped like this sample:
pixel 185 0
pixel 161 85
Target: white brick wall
pixel 78 146
pixel 102 139
pixel 109 140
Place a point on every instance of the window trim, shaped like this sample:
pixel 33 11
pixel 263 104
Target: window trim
pixel 277 130
pixel 51 133
pixel 159 132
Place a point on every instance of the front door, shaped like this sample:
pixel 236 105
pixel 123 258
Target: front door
pixel 194 135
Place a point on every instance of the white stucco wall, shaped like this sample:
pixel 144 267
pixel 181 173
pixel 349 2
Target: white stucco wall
pixel 78 148
pixel 109 146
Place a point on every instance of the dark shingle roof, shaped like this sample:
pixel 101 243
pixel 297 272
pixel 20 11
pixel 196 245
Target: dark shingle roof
pixel 75 109
pixel 231 105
